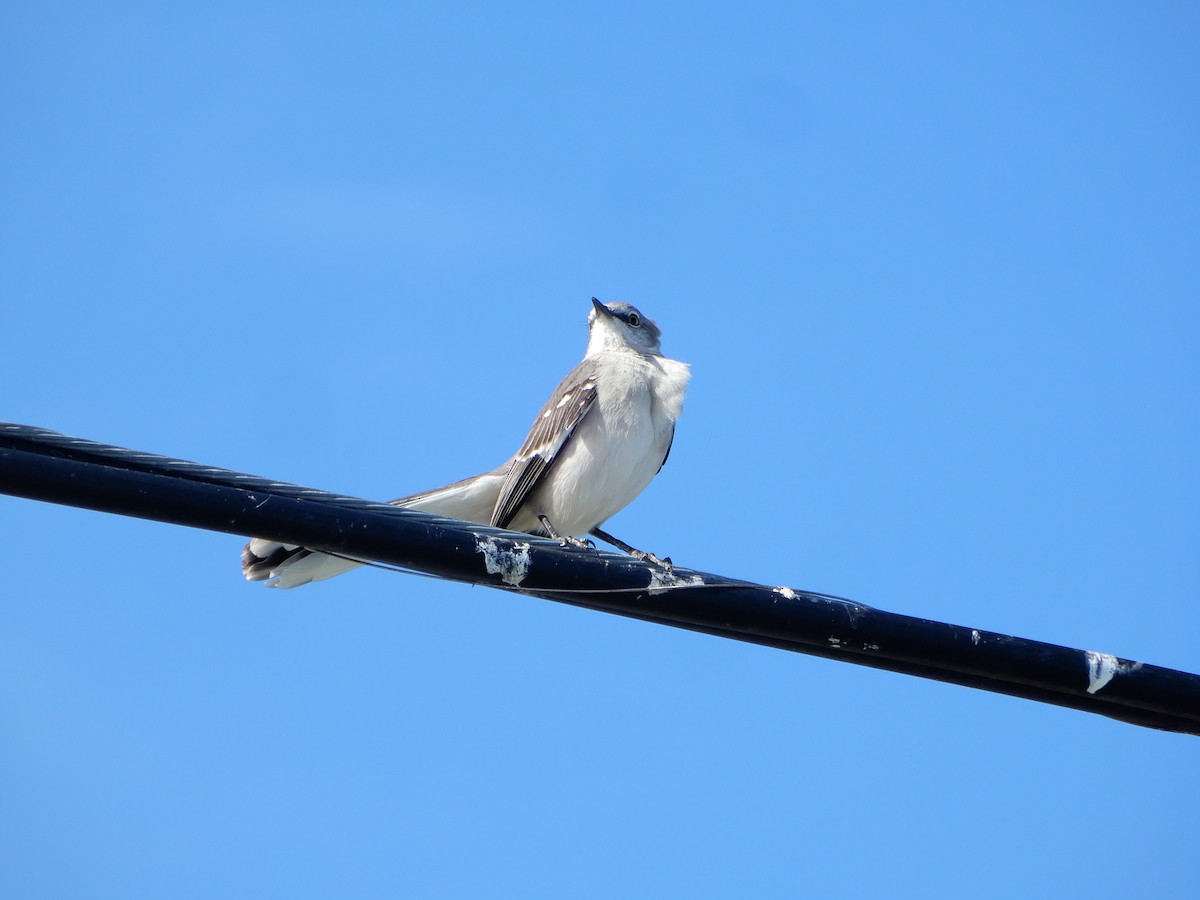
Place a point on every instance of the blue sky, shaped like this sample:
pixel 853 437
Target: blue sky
pixel 936 269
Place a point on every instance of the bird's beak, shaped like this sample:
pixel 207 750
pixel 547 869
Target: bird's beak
pixel 601 308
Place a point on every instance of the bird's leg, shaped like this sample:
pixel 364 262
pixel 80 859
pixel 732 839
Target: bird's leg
pixel 565 539
pixel 632 551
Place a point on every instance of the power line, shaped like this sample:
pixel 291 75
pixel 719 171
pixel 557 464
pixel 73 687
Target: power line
pixel 42 465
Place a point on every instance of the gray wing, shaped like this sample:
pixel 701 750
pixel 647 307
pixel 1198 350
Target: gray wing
pixel 561 415
pixel 667 455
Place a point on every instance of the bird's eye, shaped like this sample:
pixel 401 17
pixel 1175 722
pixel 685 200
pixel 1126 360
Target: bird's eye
pixel 634 319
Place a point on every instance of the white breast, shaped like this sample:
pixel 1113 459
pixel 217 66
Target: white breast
pixel 617 449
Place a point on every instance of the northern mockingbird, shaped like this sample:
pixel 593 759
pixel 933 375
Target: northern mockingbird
pixel 600 439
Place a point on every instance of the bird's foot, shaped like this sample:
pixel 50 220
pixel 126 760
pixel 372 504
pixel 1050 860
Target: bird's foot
pixel 565 539
pixel 578 543
pixel 642 555
pixel 662 563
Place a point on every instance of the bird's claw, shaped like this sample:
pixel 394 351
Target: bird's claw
pixel 579 544
pixel 663 563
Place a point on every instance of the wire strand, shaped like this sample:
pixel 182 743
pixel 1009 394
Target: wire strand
pixel 41 465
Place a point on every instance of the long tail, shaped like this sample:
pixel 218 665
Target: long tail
pixel 288 565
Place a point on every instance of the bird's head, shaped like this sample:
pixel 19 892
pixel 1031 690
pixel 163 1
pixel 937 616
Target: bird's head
pixel 619 326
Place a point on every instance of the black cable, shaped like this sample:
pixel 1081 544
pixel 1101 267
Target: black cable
pixel 42 465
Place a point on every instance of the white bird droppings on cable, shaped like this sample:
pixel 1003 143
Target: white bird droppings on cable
pixel 786 592
pixel 661 581
pixel 1102 667
pixel 511 562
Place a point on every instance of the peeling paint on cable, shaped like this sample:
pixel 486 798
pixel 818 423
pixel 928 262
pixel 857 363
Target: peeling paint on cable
pixel 510 562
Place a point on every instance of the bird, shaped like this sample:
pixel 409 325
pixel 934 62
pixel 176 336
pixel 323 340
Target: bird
pixel 598 441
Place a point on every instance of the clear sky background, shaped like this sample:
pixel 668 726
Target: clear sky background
pixel 937 270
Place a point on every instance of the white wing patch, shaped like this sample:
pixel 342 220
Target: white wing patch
pixel 560 416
